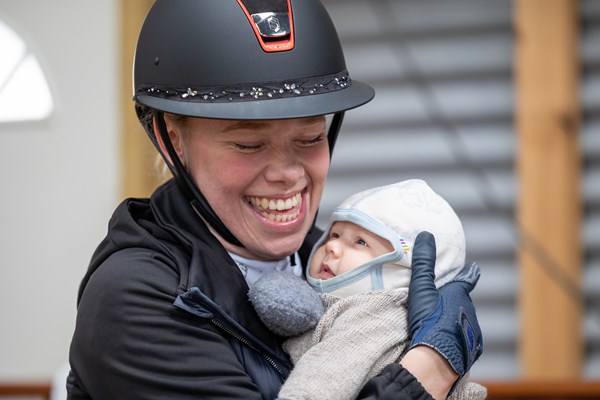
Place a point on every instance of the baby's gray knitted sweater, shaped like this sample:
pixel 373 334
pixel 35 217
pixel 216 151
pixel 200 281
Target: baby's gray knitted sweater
pixel 357 337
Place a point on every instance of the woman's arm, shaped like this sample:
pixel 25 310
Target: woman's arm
pixel 130 342
pixel 431 370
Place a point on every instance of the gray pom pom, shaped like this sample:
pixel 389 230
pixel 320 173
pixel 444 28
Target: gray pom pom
pixel 285 303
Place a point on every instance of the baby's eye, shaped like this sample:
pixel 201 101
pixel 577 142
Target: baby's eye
pixel 333 235
pixel 361 242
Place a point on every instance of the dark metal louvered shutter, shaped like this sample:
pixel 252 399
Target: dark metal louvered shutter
pixel 443 112
pixel 590 142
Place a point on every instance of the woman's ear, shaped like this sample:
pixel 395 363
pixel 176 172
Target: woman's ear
pixel 174 136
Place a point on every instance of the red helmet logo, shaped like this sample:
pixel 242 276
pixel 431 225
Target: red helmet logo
pixel 274 28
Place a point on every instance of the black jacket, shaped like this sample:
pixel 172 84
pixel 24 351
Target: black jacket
pixel 163 314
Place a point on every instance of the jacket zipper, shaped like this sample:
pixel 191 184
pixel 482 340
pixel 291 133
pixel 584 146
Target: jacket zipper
pixel 245 341
pixel 210 311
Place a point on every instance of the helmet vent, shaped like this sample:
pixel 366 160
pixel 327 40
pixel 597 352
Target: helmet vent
pixel 272 23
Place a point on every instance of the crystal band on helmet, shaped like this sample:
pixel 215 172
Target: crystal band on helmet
pixel 299 87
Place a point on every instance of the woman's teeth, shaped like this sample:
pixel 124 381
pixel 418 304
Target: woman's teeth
pixel 286 209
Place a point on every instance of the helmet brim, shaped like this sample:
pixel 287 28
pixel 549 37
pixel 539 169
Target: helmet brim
pixel 355 95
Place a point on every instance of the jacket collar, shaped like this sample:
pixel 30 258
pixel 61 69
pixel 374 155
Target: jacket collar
pixel 211 269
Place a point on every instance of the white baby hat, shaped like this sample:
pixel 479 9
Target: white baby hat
pixel 396 212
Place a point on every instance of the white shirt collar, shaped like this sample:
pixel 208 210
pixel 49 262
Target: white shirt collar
pixel 254 269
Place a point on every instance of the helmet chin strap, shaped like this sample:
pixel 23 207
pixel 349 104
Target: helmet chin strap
pixel 332 134
pixel 334 130
pixel 187 185
pixel 193 193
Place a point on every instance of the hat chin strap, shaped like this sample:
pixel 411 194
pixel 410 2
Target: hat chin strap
pixel 187 185
pixel 334 130
pixel 191 190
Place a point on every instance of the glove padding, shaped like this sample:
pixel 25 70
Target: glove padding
pixel 285 303
pixel 443 319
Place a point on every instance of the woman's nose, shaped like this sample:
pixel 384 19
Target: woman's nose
pixel 285 169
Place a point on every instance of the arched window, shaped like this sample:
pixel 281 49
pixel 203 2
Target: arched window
pixel 24 91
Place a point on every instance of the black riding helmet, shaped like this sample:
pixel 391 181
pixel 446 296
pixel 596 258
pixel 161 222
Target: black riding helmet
pixel 240 60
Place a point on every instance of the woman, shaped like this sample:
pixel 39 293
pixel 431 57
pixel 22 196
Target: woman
pixel 233 94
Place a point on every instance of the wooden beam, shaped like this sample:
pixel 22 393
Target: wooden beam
pixel 556 390
pixel 140 173
pixel 549 204
pixel 25 390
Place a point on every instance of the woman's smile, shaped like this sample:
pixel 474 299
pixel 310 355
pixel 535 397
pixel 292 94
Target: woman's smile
pixel 278 209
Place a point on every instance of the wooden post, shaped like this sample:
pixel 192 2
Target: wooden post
pixel 549 170
pixel 140 174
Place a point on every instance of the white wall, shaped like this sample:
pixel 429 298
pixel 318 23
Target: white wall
pixel 58 179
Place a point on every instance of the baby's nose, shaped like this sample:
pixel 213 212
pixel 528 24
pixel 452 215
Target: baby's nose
pixel 333 248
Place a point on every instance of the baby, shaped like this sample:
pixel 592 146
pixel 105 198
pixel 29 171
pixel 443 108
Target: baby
pixel 361 268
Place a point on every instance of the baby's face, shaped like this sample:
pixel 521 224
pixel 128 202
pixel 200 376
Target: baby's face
pixel 347 247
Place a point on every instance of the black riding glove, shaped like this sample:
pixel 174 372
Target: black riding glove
pixel 443 319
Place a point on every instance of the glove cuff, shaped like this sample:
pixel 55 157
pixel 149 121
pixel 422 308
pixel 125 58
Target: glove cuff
pixel 444 348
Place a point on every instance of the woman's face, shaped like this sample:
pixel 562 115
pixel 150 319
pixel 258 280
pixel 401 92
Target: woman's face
pixel 264 179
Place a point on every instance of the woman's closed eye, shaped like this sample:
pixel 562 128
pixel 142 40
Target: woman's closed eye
pixel 312 141
pixel 247 147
